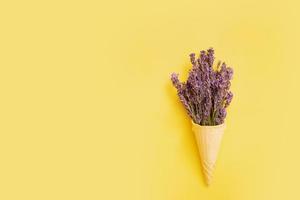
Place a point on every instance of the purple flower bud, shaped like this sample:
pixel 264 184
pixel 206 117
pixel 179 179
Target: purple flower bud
pixel 175 81
pixel 228 99
pixel 211 58
pixel 229 72
pixel 192 58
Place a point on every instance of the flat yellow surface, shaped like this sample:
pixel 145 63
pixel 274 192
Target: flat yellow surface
pixel 87 110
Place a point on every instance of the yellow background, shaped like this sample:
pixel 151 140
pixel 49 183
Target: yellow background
pixel 87 110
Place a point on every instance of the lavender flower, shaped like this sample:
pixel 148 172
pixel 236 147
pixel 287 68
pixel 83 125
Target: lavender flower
pixel 205 95
pixel 175 81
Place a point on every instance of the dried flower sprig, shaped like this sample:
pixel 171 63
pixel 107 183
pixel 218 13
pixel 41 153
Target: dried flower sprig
pixel 205 95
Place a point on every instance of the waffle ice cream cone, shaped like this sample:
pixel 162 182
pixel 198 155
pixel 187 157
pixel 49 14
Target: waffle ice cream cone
pixel 208 141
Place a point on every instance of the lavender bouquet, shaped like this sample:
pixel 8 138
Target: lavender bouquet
pixel 205 95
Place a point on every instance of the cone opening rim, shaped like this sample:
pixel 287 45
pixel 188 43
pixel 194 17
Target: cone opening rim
pixel 214 126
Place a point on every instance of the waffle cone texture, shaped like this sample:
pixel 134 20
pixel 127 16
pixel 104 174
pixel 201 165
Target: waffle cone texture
pixel 208 140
